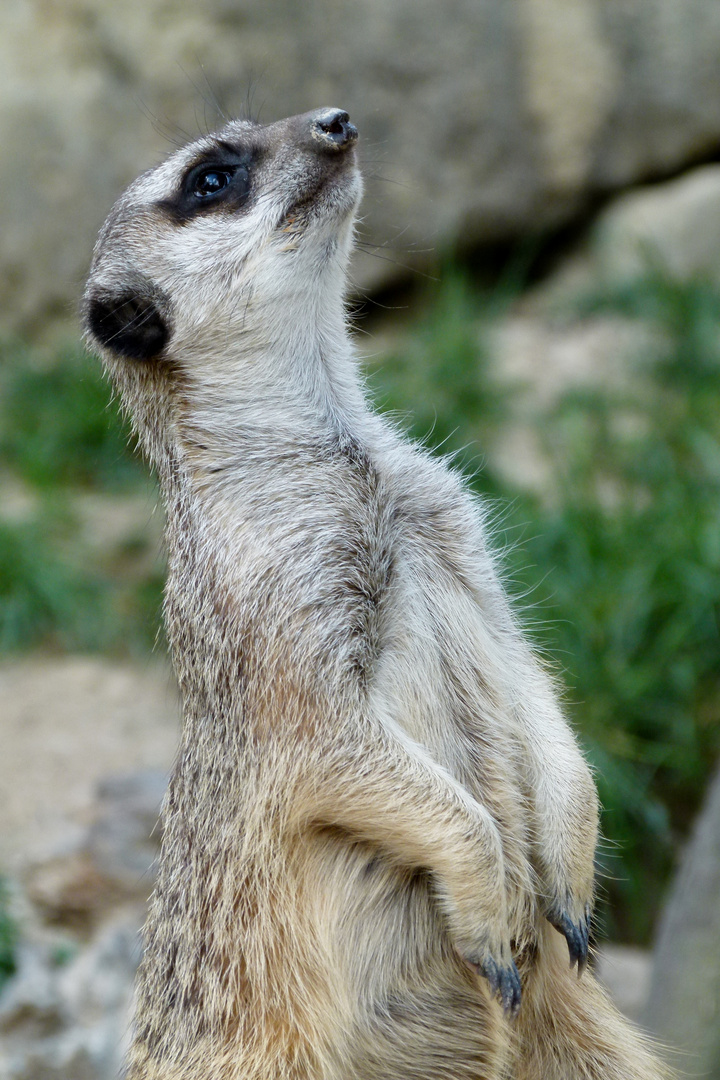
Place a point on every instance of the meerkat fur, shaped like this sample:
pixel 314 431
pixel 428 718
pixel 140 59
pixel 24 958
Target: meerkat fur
pixel 379 832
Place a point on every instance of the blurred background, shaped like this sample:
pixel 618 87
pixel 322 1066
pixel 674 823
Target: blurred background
pixel 536 289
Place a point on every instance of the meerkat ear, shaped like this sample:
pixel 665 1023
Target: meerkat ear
pixel 128 323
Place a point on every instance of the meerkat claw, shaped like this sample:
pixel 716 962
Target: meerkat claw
pixel 510 990
pixel 504 982
pixel 577 936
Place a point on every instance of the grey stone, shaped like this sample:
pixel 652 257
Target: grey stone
pixel 71 1021
pixel 480 119
pixel 29 1003
pixel 59 1064
pixel 625 972
pixel 684 1002
pixel 68 723
pixel 673 228
pixel 125 837
pixel 110 863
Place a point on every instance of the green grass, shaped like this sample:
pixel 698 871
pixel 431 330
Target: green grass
pixel 59 436
pixel 76 603
pixel 42 597
pixel 638 585
pixel 438 382
pixel 8 936
pixel 57 426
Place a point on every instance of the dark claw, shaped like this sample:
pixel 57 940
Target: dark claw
pixel 505 983
pixel 577 936
pixel 510 990
pixel 490 970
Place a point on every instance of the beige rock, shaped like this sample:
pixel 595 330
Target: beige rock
pixel 67 723
pixel 108 865
pixel 70 891
pixel 539 359
pixel 571 75
pixel 672 227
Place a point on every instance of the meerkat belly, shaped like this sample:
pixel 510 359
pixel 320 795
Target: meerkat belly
pixel 395 1008
pixel 404 985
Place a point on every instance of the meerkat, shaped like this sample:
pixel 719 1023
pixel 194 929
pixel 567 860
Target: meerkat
pixel 379 834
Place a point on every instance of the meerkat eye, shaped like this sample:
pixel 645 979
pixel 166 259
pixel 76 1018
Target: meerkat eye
pixel 211 181
pixel 220 184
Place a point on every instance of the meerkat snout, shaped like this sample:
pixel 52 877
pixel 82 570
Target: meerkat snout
pixel 333 129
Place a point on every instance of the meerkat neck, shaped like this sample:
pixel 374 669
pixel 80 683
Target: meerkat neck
pixel 300 383
pixel 251 427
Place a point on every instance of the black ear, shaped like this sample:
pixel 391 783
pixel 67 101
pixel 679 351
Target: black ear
pixel 129 324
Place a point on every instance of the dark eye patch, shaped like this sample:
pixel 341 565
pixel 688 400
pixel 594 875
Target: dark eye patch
pixel 213 182
pixel 219 180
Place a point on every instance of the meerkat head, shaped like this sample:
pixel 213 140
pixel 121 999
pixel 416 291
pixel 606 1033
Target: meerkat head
pixel 216 269
pixel 236 221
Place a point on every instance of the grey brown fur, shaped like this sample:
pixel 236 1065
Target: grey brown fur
pixel 377 809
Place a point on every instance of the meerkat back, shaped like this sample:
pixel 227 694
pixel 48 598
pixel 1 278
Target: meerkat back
pixel 379 833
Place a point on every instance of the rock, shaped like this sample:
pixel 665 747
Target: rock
pixel 548 357
pixel 70 1022
pixel 68 723
pixel 672 227
pixel 59 1065
pixel 70 891
pixel 684 1003
pixel 87 745
pixel 486 120
pixel 29 1003
pixel 124 840
pixel 625 972
pixel 112 862
pixel 537 359
pixel 98 983
pixel 64 1015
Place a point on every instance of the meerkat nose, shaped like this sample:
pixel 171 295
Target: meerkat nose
pixel 333 130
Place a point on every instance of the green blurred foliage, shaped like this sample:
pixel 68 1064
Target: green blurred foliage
pixel 42 597
pixel 60 435
pixel 8 935
pixel 57 425
pixel 621 559
pixel 637 547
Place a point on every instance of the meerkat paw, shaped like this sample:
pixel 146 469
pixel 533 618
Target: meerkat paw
pixel 501 975
pixel 565 854
pixel 504 983
pixel 576 930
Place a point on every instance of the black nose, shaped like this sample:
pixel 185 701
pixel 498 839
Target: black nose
pixel 333 130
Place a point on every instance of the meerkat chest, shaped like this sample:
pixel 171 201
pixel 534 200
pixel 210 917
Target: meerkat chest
pixel 429 679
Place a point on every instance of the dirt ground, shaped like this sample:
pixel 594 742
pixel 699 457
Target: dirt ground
pixel 64 724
